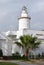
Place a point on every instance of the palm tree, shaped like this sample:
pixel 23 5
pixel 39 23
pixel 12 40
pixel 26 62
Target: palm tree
pixel 28 42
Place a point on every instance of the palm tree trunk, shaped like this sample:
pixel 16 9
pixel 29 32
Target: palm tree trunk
pixel 26 52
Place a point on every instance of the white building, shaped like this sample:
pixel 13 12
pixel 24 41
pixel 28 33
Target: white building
pixel 7 38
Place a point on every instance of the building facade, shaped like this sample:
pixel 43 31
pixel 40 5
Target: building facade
pixel 8 38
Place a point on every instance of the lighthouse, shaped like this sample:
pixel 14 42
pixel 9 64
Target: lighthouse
pixel 24 19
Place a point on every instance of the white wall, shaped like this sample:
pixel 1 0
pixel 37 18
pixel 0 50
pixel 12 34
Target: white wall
pixel 24 23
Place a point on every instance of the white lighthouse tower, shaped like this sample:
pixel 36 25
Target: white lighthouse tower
pixel 24 19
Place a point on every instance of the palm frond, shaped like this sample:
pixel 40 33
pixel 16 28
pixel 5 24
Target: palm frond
pixel 19 44
pixel 36 45
pixel 28 41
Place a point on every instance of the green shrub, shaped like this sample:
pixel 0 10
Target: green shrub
pixel 1 53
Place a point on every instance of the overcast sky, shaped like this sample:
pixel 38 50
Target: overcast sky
pixel 10 11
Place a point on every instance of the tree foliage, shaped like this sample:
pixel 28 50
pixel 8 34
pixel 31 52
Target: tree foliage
pixel 28 41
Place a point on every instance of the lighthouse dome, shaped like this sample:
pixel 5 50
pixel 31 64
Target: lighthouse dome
pixel 24 12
